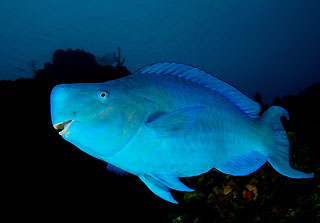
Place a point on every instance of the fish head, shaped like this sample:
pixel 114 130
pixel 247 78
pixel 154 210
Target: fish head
pixel 99 118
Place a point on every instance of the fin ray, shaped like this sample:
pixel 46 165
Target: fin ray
pixel 158 188
pixel 245 104
pixel 172 182
pixel 244 164
pixel 279 157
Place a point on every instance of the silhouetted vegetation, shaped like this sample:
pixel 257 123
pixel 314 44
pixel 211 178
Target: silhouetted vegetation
pixel 118 59
pixel 47 176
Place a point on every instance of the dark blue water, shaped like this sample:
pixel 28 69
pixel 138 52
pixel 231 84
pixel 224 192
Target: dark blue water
pixel 267 46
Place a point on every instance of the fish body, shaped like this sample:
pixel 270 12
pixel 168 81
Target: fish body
pixel 171 120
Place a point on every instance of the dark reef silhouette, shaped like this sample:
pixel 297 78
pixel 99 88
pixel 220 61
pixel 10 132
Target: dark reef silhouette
pixel 45 174
pixel 79 66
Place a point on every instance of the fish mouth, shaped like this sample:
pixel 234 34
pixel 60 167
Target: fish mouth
pixel 63 126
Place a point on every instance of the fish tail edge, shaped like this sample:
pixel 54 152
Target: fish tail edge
pixel 279 157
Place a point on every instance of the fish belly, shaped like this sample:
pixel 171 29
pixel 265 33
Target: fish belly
pixel 215 140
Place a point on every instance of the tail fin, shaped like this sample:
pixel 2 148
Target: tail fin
pixel 279 158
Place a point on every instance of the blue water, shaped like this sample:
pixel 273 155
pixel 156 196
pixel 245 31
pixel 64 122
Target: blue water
pixel 269 46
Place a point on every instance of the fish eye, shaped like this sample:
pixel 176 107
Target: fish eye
pixel 103 96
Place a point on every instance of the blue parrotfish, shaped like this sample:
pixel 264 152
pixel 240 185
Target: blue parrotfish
pixel 170 120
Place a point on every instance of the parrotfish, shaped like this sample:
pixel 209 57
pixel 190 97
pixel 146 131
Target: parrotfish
pixel 170 120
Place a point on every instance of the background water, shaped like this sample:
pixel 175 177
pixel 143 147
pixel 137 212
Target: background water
pixel 269 46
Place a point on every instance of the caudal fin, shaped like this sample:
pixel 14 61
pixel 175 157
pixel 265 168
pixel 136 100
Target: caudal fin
pixel 279 158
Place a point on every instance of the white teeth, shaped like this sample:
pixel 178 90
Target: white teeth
pixel 63 125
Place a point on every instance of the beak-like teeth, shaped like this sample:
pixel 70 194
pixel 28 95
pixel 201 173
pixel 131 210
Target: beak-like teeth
pixel 62 125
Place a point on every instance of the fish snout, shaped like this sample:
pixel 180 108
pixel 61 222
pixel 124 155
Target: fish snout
pixel 60 109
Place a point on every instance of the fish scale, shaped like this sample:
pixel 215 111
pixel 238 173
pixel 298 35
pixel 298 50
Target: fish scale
pixel 171 120
pixel 203 145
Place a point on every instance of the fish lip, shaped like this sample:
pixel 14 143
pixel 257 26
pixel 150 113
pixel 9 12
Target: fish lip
pixel 63 125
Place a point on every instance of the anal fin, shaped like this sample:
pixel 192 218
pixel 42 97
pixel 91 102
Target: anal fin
pixel 244 164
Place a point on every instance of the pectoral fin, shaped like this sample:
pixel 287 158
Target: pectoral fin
pixel 177 122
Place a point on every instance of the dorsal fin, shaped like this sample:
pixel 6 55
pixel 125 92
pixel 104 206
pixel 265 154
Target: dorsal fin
pixel 241 101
